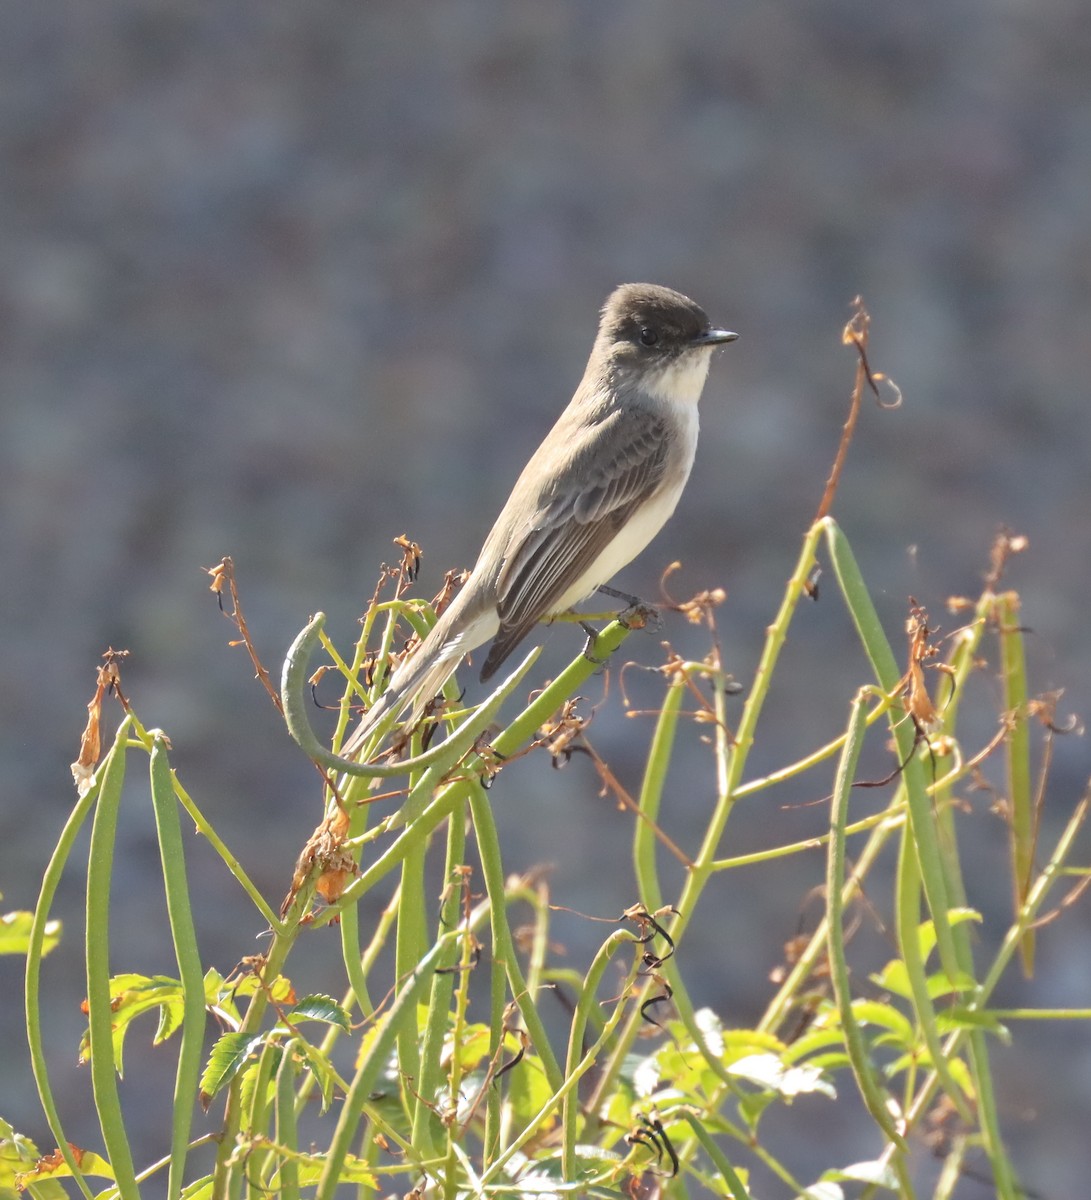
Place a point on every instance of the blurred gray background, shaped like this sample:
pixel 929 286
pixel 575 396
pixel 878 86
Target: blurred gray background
pixel 285 281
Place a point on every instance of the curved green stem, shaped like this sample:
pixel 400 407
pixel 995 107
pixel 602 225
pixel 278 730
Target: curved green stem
pixel 33 989
pixel 294 689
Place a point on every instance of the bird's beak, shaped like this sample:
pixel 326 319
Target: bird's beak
pixel 714 337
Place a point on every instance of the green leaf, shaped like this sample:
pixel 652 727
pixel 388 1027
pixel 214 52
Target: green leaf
pixel 473 1046
pixel 15 933
pixel 834 1060
pixel 941 984
pixel 960 1017
pixel 228 1057
pixel 893 978
pixel 321 1008
pixel 926 933
pixel 321 1068
pixel 769 1072
pixel 19 1157
pixel 42 1174
pixel 254 1075
pixel 310 1168
pixel 529 1091
pixel 886 1016
pixel 132 996
pixel 646 1077
pixel 814 1041
pixel 876 1173
pixel 827 1190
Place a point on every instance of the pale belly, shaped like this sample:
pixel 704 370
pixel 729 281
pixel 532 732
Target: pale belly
pixel 642 526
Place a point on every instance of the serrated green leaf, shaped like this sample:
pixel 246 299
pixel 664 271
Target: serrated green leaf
pixel 131 996
pixel 740 1042
pixel 228 1057
pixel 322 1008
pixel 834 1060
pixel 170 1017
pixel 19 1157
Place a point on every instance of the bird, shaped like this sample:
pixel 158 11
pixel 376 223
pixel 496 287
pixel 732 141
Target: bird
pixel 601 485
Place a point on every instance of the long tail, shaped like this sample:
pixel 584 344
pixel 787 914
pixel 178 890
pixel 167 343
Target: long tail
pixel 426 670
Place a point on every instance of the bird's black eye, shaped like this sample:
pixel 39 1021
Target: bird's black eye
pixel 648 336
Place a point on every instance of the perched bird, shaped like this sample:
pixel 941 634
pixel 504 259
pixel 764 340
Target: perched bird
pixel 596 491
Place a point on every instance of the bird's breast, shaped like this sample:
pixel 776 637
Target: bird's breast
pixel 646 521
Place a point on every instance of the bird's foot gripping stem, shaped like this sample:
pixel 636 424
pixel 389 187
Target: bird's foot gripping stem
pixel 638 614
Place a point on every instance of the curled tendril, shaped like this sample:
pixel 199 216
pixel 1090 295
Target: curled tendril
pixel 294 689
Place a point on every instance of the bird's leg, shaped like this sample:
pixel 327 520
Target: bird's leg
pixel 638 614
pixel 614 594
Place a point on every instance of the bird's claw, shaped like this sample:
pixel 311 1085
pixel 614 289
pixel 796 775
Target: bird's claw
pixel 641 616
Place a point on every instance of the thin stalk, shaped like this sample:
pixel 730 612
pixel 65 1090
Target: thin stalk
pixel 188 957
pixel 100 865
pixel 875 1099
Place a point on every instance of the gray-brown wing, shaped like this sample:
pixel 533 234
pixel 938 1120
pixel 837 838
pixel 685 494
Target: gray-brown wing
pixel 575 528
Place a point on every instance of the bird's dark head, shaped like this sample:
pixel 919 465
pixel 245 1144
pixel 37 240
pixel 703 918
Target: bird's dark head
pixel 657 335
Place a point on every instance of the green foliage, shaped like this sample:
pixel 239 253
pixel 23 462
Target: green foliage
pixel 15 933
pixel 439 1074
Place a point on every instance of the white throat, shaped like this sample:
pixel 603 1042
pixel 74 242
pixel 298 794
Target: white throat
pixel 681 381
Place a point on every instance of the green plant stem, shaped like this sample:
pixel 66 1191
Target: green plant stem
pixel 203 827
pixel 577 1066
pixel 730 763
pixel 907 921
pixel 294 689
pixel 54 872
pixel 226 1177
pixel 187 955
pixel 287 1130
pixel 585 1006
pixel 735 1184
pixel 402 1012
pixel 954 958
pixel 873 1095
pixel 1036 897
pixel 100 864
pixel 503 945
pixel 780 1006
pixel 427 1126
pixel 651 795
pixel 1007 1187
pixel 1022 817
